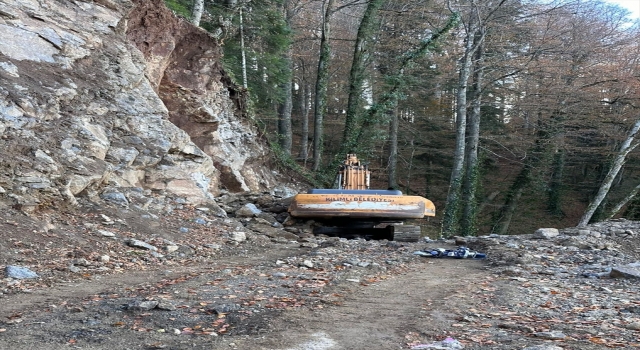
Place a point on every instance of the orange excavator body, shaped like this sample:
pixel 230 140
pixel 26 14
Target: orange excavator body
pixel 353 200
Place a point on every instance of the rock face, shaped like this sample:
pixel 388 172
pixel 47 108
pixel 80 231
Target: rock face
pixel 112 94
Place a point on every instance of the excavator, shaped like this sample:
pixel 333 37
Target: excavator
pixel 353 210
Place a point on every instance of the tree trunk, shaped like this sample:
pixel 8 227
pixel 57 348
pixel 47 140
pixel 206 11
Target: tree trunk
pixel 304 102
pixel 487 200
pixel 503 219
pixel 196 14
pixel 555 184
pixel 633 209
pixel 284 115
pixel 471 181
pixel 449 220
pixel 410 165
pixel 356 76
pixel 393 151
pixel 625 148
pixel 285 134
pixel 244 56
pixel 623 202
pixel 321 86
pixel 508 209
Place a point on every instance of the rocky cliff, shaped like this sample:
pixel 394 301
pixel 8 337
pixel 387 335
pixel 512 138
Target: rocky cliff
pixel 117 98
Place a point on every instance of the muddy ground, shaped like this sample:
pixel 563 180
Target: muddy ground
pixel 203 290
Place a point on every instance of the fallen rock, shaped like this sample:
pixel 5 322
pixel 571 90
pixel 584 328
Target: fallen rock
pixel 224 308
pixel 248 210
pixel 116 197
pixel 105 233
pixel 171 248
pixel 81 262
pixel 18 272
pixel 140 244
pixel 553 335
pixel 624 272
pixel 273 232
pixel 543 347
pixel 546 233
pixel 238 236
pixel 166 305
pixel 282 191
pixel 145 305
pixel 307 263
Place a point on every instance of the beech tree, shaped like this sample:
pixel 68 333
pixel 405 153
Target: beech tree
pixel 470 180
pixel 285 136
pixel 476 19
pixel 304 106
pixel 321 84
pixel 196 14
pixel 455 183
pixel 627 146
pixel 361 56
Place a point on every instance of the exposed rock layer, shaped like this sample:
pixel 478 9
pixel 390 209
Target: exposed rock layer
pixel 105 95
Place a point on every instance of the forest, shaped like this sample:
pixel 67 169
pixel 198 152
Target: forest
pixel 509 115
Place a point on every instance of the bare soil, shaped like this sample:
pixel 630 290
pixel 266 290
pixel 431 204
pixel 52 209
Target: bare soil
pixel 89 314
pixel 215 293
pixel 251 295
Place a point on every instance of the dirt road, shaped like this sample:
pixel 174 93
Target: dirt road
pixel 352 313
pixel 384 315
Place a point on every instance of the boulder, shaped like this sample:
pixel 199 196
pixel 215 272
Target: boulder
pixel 19 272
pixel 546 233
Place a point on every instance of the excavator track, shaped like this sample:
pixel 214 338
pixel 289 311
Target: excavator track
pixel 354 230
pixel 406 233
